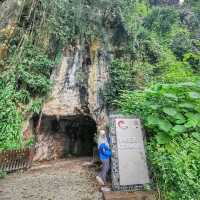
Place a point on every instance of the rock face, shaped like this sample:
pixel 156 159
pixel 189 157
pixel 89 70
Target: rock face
pixel 9 13
pixel 78 82
pixel 76 94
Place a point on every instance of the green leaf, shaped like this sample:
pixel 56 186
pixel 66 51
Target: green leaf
pixel 162 138
pixel 152 120
pixel 195 116
pixel 170 111
pixel 179 128
pixel 173 133
pixel 196 135
pixel 164 125
pixel 154 107
pixel 180 121
pixel 187 84
pixel 191 124
pixel 170 147
pixel 193 120
pixel 171 96
pixel 179 116
pixel 186 105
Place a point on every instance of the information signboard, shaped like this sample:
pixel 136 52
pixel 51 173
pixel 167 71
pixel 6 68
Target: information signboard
pixel 129 167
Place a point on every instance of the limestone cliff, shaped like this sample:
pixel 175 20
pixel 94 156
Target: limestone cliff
pixel 78 81
pixel 9 14
pixel 75 104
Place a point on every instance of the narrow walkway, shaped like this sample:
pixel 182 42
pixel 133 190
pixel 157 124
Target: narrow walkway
pixel 54 180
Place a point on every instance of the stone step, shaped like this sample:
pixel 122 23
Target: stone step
pixel 129 196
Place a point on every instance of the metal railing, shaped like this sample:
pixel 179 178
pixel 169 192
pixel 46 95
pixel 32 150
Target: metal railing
pixel 13 160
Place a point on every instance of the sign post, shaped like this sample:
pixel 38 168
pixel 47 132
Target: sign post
pixel 129 167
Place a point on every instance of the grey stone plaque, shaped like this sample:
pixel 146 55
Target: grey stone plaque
pixel 129 167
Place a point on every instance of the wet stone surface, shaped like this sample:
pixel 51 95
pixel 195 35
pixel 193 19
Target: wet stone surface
pixel 53 180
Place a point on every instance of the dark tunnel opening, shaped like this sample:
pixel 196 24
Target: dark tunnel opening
pixel 68 136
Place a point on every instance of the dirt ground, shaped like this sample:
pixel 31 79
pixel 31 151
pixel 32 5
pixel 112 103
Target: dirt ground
pixel 54 180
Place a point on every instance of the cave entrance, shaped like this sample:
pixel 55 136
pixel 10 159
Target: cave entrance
pixel 66 136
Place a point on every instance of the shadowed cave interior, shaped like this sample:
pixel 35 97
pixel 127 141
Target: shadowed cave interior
pixel 72 136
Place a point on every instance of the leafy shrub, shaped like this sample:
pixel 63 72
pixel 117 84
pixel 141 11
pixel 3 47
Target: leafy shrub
pixel 194 60
pixel 28 77
pixel 177 72
pixel 125 75
pixel 148 48
pixel 71 20
pixel 163 56
pixel 121 77
pixel 171 70
pixel 35 106
pixel 190 19
pixel 10 120
pixel 33 71
pixel 168 110
pixel 176 168
pixel 181 44
pixel 161 20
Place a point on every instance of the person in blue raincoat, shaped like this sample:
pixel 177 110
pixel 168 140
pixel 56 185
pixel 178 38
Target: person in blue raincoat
pixel 104 153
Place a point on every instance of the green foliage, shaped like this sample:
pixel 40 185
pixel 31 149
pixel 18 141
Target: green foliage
pixel 163 56
pixel 171 70
pixel 35 106
pixel 176 168
pixel 171 115
pixel 67 20
pixel 161 20
pixel 10 119
pixel 133 13
pixel 195 4
pixel 181 44
pixel 194 60
pixel 121 77
pixel 177 72
pixel 32 71
pixel 167 109
pixel 158 43
pixel 146 48
pixel 29 78
pixel 157 48
pixel 126 76
pixel 190 19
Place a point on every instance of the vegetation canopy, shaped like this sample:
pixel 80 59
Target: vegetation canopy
pixel 155 74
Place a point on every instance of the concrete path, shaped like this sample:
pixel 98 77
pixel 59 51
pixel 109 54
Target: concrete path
pixel 54 180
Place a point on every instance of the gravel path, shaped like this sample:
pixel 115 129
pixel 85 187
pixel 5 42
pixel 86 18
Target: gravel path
pixel 54 180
